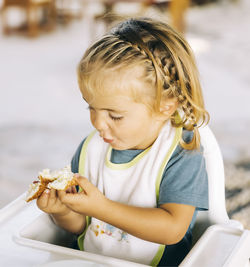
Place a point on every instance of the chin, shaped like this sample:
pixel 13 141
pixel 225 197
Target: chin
pixel 119 147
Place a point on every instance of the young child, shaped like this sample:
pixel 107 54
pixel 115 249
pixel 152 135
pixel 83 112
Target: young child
pixel 142 175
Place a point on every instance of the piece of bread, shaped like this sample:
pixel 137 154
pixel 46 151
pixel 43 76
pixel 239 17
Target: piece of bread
pixel 59 180
pixel 35 190
pixel 64 180
pixel 45 176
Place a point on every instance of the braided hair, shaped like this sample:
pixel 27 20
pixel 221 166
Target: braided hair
pixel 168 63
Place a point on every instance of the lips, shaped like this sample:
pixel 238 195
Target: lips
pixel 107 140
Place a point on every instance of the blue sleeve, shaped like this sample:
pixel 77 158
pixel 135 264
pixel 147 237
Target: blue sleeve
pixel 185 179
pixel 75 158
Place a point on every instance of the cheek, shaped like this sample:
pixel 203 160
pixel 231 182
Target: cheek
pixel 128 128
pixel 119 129
pixel 92 118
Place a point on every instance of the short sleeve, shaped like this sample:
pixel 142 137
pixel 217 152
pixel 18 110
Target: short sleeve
pixel 185 179
pixel 75 158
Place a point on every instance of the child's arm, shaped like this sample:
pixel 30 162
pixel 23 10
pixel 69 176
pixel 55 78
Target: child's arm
pixel 66 218
pixel 72 221
pixel 165 225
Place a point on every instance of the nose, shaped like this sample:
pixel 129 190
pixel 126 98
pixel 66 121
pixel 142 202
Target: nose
pixel 99 122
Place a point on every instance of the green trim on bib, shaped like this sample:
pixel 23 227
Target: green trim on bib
pixel 81 165
pixel 123 166
pixel 81 170
pixel 81 237
pixel 158 256
pixel 174 144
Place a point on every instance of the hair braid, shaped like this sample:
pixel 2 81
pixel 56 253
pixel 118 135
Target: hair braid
pixel 172 83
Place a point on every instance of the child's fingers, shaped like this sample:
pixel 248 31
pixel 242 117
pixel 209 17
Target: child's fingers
pixel 72 189
pixel 42 201
pixel 69 198
pixel 84 183
pixel 53 198
pixel 66 198
pixel 61 194
pixel 52 194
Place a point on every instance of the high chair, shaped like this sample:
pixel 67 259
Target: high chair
pixel 217 240
pixel 30 238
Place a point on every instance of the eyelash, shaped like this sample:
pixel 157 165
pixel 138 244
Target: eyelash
pixel 112 117
pixel 115 118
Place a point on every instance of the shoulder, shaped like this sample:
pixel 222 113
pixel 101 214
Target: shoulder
pixel 183 154
pixel 187 137
pixel 76 156
pixel 185 177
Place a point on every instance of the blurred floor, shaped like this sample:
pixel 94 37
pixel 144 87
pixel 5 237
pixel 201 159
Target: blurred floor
pixel 43 117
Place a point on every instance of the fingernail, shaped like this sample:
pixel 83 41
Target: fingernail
pixel 47 191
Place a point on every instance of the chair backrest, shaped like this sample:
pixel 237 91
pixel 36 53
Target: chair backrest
pixel 216 184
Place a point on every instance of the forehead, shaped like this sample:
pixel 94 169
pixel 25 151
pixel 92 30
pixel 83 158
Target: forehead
pixel 113 103
pixel 125 81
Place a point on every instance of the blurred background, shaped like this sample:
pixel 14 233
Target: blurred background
pixel 43 117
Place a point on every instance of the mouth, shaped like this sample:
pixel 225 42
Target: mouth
pixel 107 140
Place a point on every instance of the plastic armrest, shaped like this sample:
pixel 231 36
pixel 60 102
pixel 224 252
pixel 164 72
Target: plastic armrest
pixel 221 245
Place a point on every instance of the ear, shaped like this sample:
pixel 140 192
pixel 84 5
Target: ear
pixel 168 106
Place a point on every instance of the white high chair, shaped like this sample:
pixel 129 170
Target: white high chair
pixel 30 238
pixel 218 241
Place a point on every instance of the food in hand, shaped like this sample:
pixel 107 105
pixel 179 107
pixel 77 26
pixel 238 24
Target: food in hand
pixel 35 190
pixel 59 180
pixel 45 176
pixel 64 179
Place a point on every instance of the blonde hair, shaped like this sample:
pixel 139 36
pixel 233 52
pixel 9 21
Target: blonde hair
pixel 168 63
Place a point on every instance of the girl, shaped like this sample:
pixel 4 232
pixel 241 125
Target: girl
pixel 142 174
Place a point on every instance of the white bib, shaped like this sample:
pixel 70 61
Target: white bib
pixel 134 183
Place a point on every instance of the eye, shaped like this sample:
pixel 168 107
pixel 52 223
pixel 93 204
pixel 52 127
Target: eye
pixel 114 118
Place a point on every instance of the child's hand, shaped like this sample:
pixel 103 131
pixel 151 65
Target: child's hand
pixel 49 202
pixel 89 202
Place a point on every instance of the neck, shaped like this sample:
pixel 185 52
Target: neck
pixel 152 135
